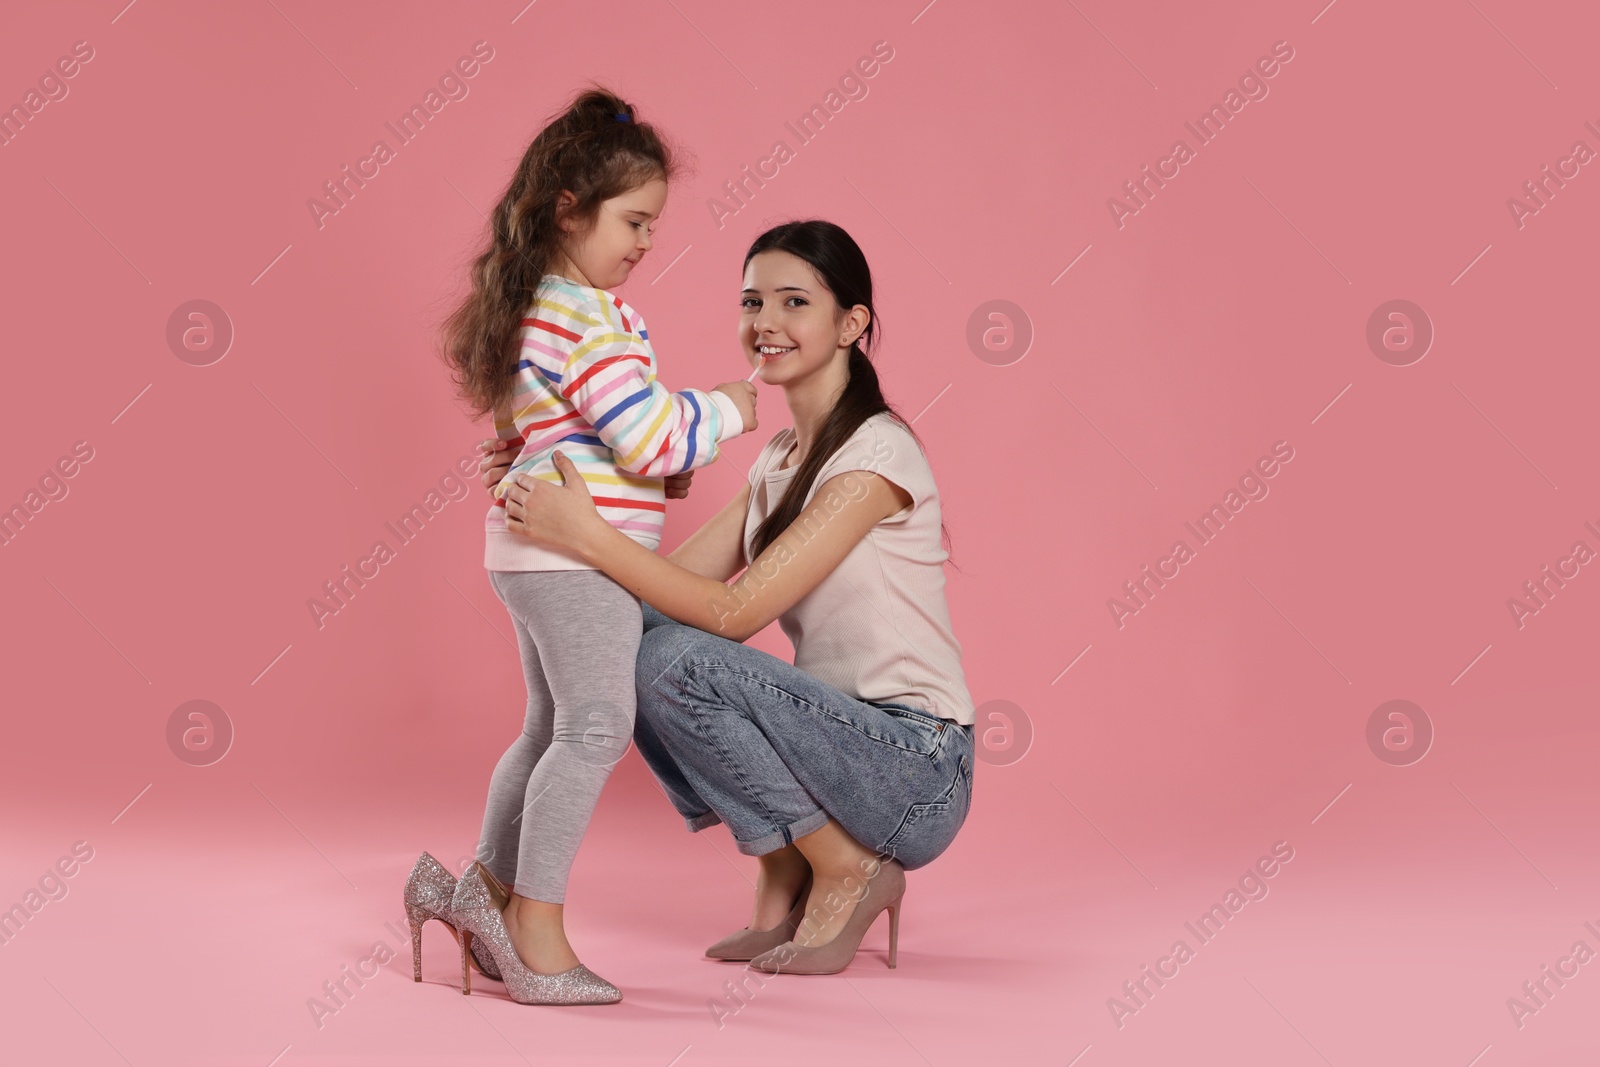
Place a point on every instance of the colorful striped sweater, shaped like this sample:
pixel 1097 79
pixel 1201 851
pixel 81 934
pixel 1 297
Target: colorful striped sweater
pixel 586 383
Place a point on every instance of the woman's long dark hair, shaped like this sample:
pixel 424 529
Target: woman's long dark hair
pixel 839 262
pixel 588 150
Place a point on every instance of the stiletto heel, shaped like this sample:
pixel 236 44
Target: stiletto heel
pixel 747 944
pixel 477 905
pixel 466 954
pixel 427 896
pixel 885 889
pixel 416 948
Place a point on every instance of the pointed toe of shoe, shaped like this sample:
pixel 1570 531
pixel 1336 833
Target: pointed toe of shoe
pixel 594 989
pixel 747 944
pixel 778 958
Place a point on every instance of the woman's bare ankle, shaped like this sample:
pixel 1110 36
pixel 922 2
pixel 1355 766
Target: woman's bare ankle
pixel 782 873
pixel 840 868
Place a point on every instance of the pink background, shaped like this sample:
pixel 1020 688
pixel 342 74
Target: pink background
pixel 1230 713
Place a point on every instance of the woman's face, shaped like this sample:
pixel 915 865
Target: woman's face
pixel 789 316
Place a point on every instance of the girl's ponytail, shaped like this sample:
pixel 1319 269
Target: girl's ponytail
pixel 587 151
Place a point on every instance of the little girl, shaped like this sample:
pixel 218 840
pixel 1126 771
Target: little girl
pixel 562 362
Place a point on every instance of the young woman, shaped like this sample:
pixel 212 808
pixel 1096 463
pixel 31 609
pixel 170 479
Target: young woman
pixel 854 764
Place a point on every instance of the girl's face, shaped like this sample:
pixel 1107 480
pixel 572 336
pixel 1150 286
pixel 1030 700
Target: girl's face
pixel 606 255
pixel 792 319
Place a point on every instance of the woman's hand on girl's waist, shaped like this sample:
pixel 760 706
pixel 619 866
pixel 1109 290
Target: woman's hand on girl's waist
pixel 497 458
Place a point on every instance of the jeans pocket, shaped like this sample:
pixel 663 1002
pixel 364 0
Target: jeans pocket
pixel 964 786
pixel 919 732
pixel 922 834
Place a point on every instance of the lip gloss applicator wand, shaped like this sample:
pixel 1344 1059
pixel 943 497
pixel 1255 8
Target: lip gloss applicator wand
pixel 762 359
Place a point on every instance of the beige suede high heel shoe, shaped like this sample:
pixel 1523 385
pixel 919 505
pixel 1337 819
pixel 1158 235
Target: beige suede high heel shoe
pixel 885 889
pixel 747 944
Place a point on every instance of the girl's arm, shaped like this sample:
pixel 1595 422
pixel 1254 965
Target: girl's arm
pixel 844 508
pixel 606 375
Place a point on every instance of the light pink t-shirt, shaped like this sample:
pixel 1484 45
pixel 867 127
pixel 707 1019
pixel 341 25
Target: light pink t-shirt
pixel 877 628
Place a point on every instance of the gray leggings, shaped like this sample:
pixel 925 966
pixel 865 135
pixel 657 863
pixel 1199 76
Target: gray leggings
pixel 579 634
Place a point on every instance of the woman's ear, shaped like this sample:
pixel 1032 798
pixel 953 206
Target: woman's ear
pixel 855 324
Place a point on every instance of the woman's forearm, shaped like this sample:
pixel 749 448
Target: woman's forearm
pixel 678 593
pixel 716 550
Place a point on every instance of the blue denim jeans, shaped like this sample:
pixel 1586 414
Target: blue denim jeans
pixel 740 737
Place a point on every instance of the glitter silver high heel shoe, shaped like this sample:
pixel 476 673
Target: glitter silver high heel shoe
pixel 477 905
pixel 427 896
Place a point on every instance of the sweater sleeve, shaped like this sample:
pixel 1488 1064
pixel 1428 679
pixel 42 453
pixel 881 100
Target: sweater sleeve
pixel 733 422
pixel 608 378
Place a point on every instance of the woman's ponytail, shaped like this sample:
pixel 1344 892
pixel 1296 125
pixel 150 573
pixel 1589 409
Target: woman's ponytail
pixel 842 266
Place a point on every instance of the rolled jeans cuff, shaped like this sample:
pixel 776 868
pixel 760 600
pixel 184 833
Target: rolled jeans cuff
pixel 784 835
pixel 700 822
